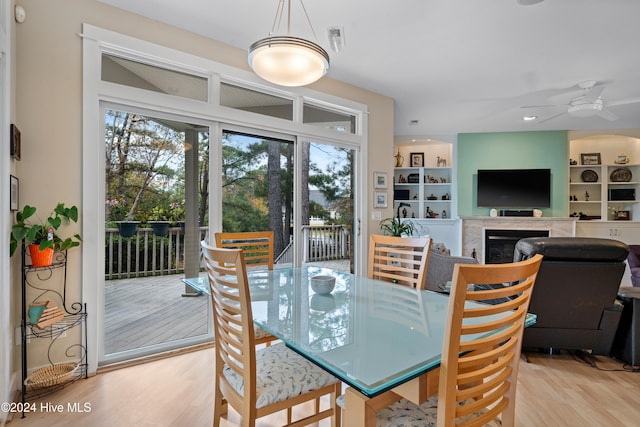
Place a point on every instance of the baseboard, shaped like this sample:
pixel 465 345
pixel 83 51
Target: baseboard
pixel 16 391
pixel 145 359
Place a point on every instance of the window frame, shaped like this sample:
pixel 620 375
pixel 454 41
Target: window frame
pixel 96 92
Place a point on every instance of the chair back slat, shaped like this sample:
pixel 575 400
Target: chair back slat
pixel 478 372
pixel 402 260
pixel 256 245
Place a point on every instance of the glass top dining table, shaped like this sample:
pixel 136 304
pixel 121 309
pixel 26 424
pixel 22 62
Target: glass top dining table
pixel 372 335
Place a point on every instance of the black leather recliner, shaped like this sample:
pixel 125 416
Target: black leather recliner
pixel 574 297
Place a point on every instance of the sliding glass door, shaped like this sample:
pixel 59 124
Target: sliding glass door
pixel 156 213
pixel 260 172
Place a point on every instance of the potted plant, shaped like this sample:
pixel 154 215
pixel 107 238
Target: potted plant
pixel 158 220
pixel 396 227
pixel 42 236
pixel 123 218
pixel 176 213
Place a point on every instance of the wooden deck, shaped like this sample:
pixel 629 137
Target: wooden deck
pixel 145 311
pixel 142 312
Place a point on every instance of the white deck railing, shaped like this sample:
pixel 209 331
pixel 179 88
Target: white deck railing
pixel 325 242
pixel 145 254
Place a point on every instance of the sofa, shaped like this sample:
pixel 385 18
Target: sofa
pixel 633 260
pixel 440 268
pixel 574 297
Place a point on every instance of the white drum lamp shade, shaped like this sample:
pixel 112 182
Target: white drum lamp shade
pixel 288 61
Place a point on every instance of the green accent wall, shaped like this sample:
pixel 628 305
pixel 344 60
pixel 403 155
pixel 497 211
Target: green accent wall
pixel 513 150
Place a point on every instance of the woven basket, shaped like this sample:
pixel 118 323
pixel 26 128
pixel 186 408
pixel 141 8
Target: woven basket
pixel 52 375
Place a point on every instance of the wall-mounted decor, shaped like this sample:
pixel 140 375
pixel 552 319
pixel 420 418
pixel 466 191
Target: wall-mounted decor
pixel 590 158
pixel 13 192
pixel 379 199
pixel 416 160
pixel 379 180
pixel 15 142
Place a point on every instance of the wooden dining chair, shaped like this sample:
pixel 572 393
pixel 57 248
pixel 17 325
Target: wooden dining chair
pixel 402 260
pixel 257 246
pixel 256 382
pixel 478 373
pixel 258 252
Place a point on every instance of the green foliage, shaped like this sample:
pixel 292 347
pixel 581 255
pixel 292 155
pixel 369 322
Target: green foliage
pixel 317 211
pixel 158 214
pixel 396 227
pixel 118 208
pixel 44 232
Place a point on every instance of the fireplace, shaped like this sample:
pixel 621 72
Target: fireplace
pixel 500 244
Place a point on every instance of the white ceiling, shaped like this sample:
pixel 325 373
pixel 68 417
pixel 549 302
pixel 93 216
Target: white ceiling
pixel 455 66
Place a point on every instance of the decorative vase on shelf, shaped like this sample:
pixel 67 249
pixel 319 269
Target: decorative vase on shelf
pixel 399 159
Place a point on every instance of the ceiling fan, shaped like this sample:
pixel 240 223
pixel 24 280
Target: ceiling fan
pixel 588 103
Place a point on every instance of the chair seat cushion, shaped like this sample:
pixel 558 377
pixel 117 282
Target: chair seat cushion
pixel 261 333
pixel 281 374
pixel 407 414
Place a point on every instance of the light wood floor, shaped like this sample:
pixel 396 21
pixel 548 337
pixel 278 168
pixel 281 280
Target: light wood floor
pixel 553 390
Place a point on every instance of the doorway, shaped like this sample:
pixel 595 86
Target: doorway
pixel 260 172
pixel 156 214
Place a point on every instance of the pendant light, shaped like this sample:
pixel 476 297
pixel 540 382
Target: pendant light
pixel 287 60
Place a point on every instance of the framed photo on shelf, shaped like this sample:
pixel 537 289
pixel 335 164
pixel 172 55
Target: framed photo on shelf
pixel 379 199
pixel 590 158
pixel 13 193
pixel 379 180
pixel 416 160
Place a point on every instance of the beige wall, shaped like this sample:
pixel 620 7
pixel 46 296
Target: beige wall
pixel 48 84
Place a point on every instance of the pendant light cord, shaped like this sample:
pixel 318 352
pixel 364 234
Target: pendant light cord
pixel 278 18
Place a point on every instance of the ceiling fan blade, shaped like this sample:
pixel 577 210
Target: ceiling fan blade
pixel 608 115
pixel 550 117
pixel 542 106
pixel 624 101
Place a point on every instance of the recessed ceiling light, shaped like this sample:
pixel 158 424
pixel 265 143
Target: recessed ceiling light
pixel 529 118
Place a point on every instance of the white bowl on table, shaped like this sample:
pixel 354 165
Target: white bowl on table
pixel 322 284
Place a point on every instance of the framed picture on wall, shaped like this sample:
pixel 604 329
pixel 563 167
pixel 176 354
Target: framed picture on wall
pixel 14 142
pixel 416 160
pixel 379 180
pixel 590 158
pixel 13 193
pixel 379 199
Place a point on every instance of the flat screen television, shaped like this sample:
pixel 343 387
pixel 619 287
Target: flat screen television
pixel 514 188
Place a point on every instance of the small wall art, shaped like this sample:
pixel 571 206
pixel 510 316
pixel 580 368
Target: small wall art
pixel 417 160
pixel 15 142
pixel 379 180
pixel 379 199
pixel 13 192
